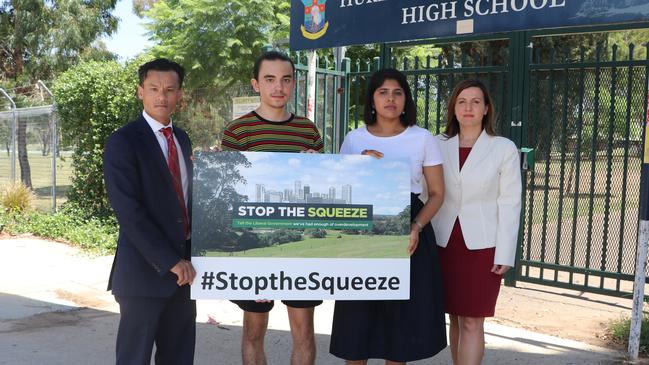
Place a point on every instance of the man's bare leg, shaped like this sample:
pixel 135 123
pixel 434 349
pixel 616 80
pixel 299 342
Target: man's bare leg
pixel 301 321
pixel 252 338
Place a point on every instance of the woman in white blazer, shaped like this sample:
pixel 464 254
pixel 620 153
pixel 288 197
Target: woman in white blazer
pixel 477 225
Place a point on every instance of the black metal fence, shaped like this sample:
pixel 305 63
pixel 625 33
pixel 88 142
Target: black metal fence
pixel 586 121
pixel 582 111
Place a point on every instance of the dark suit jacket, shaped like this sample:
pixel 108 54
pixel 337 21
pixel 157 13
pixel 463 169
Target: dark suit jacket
pixel 140 190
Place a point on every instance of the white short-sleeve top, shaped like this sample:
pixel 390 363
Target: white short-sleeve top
pixel 415 143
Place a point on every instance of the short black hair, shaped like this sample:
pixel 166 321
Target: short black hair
pixel 161 64
pixel 270 56
pixel 409 116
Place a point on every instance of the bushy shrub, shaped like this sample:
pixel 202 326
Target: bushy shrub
pixel 93 100
pixel 316 233
pixel 97 236
pixel 16 198
pixel 281 236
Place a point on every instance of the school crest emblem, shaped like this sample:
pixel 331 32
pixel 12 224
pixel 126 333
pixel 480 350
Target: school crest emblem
pixel 315 25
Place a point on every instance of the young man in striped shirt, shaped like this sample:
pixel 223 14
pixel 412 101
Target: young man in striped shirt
pixel 271 128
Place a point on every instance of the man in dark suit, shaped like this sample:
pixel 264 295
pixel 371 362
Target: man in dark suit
pixel 148 174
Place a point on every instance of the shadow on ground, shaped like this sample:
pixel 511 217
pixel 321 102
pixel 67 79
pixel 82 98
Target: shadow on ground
pixel 62 335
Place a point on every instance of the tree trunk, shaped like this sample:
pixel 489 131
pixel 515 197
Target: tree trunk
pixel 25 171
pixel 46 137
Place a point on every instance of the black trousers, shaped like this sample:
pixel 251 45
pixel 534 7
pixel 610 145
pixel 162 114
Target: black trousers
pixel 170 323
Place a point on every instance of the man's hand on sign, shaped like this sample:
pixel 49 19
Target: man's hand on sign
pixel 184 272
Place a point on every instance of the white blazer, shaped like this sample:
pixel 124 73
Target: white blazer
pixel 485 195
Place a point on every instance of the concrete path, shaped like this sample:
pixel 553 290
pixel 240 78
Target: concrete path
pixel 54 310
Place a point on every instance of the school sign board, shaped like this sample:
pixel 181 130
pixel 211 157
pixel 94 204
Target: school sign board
pixel 332 23
pixel 300 226
pixel 243 105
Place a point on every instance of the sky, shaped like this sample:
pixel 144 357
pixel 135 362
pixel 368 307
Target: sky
pixel 384 183
pixel 129 40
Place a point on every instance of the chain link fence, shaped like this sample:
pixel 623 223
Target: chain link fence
pixel 31 150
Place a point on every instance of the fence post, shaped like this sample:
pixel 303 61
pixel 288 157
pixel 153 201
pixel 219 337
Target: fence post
pixel 339 54
pixel 643 238
pixel 517 109
pixel 312 63
pixel 346 67
pixel 386 56
pixel 54 141
pixel 376 64
pixel 13 134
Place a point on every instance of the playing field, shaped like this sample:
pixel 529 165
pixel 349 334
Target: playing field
pixel 41 174
pixel 348 246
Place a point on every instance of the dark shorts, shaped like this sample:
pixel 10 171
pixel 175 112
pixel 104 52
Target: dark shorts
pixel 265 307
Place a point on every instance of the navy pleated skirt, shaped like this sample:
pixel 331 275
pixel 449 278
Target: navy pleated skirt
pixel 397 330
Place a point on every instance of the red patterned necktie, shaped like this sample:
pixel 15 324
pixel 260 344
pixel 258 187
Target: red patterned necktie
pixel 174 169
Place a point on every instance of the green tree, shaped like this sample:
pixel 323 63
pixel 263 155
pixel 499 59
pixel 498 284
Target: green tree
pixel 281 236
pixel 216 176
pixel 39 38
pixel 216 40
pixel 202 120
pixel 248 241
pixel 93 100
pixel 316 233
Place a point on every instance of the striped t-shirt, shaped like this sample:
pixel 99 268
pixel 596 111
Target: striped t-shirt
pixel 251 132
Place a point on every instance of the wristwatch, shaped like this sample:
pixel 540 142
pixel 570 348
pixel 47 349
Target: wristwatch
pixel 421 226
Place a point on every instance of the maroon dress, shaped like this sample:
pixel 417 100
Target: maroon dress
pixel 470 288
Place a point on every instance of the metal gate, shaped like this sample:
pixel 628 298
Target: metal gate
pixel 329 80
pixel 586 112
pixel 582 112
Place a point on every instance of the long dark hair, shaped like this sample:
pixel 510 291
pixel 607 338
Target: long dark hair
pixel 453 125
pixel 409 116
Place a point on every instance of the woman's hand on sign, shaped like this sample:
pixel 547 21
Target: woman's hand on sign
pixel 375 153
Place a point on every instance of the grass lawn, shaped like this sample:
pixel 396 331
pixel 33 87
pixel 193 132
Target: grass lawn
pixel 347 246
pixel 41 173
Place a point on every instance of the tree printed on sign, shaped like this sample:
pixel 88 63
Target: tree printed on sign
pixel 216 174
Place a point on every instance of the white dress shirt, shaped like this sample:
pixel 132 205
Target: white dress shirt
pixel 162 141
